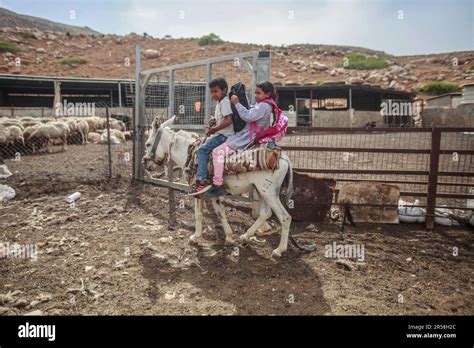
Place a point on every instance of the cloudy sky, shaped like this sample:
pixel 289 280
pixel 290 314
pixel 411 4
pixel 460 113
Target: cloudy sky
pixel 402 27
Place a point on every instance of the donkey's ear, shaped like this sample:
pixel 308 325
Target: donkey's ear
pixel 168 122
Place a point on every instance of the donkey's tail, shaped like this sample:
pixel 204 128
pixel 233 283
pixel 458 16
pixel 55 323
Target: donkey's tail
pixel 289 189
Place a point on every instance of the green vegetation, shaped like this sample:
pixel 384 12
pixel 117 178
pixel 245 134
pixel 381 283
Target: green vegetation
pixel 211 39
pixel 73 61
pixel 438 88
pixel 361 62
pixel 26 35
pixel 79 75
pixel 318 82
pixel 7 46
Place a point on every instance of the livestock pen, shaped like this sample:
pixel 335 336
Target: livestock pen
pixel 112 252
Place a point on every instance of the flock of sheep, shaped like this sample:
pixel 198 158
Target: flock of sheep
pixel 34 134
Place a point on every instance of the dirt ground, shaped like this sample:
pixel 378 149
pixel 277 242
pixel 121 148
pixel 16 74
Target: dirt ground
pixel 112 253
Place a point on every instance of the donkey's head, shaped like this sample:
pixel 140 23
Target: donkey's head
pixel 157 144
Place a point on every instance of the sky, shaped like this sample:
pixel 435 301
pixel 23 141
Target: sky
pixel 405 27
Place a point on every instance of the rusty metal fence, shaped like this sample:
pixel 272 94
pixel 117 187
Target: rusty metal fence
pixel 433 165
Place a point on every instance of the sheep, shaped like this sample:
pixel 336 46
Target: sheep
pixel 116 137
pixel 117 124
pixel 101 122
pixel 27 133
pixel 27 124
pixel 118 134
pixel 4 135
pixel 30 129
pixel 8 122
pixel 28 119
pixel 62 125
pixel 93 137
pixel 95 123
pixel 113 139
pixel 83 129
pixel 72 124
pixel 91 123
pixel 15 133
pixel 74 136
pixel 51 131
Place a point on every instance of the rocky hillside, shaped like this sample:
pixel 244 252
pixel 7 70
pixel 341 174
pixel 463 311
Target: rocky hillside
pixel 53 53
pixel 12 19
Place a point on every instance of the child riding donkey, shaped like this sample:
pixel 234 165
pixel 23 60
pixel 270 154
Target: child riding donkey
pixel 256 130
pixel 216 135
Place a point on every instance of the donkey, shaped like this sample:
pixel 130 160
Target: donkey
pixel 164 144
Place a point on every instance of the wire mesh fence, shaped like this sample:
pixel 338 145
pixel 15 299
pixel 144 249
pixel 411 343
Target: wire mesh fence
pixel 67 147
pixel 395 156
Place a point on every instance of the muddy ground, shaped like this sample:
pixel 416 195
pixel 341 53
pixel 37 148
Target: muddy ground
pixel 112 253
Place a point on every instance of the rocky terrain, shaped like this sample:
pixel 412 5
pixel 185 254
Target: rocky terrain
pixel 49 53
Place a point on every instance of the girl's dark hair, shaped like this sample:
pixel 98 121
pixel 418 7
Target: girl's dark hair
pixel 268 87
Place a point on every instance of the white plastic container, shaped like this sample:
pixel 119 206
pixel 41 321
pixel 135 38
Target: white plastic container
pixel 74 197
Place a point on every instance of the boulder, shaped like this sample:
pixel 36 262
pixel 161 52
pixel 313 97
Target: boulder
pixel 151 53
pixel 318 66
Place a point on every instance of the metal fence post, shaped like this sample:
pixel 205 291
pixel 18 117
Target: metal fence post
pixel 109 150
pixel 171 196
pixel 138 133
pixel 207 97
pixel 433 177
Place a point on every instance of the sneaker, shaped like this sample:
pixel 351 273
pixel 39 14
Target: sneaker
pixel 216 191
pixel 200 186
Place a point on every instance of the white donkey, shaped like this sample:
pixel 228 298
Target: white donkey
pixel 164 144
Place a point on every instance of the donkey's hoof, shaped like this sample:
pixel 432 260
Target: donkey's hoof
pixel 229 242
pixel 194 239
pixel 276 253
pixel 244 238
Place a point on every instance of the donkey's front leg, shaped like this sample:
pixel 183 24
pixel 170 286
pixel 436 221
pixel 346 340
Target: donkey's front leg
pixel 198 203
pixel 220 211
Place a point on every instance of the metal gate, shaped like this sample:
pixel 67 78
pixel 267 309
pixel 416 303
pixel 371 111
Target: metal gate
pixel 183 91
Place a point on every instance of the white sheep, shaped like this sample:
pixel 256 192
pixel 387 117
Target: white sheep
pixel 93 137
pixel 83 129
pixel 52 131
pixel 9 122
pixel 116 137
pixel 4 135
pixel 27 133
pixel 15 133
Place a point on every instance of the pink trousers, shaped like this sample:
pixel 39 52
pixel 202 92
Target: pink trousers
pixel 218 155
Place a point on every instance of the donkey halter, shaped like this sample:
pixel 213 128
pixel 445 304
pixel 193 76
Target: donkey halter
pixel 166 159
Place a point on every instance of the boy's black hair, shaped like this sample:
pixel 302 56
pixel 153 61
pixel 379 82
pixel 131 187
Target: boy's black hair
pixel 219 82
